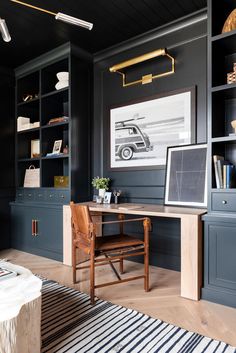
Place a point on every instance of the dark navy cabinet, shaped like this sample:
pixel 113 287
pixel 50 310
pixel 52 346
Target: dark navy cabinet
pixel 220 259
pixel 44 237
pixel 220 222
pixel 56 114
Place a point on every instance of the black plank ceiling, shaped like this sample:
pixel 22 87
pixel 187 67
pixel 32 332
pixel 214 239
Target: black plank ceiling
pixel 34 33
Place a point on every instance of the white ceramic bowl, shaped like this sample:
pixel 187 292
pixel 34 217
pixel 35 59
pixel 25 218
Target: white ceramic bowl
pixel 63 76
pixel 61 84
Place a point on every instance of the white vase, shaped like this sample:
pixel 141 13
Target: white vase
pixel 101 192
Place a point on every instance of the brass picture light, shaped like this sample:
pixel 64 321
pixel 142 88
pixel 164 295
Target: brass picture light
pixel 139 59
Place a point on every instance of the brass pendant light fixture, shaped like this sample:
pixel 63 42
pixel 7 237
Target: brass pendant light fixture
pixel 59 16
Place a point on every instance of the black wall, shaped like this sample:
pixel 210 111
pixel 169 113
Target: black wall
pixel 186 42
pixel 7 143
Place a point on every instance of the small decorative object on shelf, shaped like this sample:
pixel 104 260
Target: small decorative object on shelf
pixel 230 23
pixel 61 181
pixel 63 80
pixel 35 149
pixel 60 119
pixel 32 177
pixel 116 194
pixel 66 149
pixel 231 76
pixel 29 97
pixel 23 123
pixel 57 147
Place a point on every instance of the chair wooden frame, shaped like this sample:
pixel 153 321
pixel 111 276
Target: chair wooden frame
pixel 84 238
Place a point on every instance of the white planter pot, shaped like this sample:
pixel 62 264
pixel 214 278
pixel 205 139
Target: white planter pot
pixel 101 192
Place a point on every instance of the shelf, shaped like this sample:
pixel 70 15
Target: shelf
pixel 224 139
pixel 226 41
pixel 57 157
pixel 28 102
pixel 28 159
pixel 28 130
pixel 55 92
pixel 229 90
pixel 229 190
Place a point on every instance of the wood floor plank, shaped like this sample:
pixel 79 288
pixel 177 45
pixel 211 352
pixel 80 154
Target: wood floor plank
pixel 163 301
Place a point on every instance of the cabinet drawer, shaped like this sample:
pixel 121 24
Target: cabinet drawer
pixel 63 197
pixel 40 196
pixel 29 195
pixel 224 202
pixel 19 195
pixel 51 196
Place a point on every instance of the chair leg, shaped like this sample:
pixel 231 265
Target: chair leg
pixel 74 262
pixel 146 267
pixel 121 266
pixel 92 278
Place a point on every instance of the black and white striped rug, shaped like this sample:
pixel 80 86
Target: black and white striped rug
pixel 70 324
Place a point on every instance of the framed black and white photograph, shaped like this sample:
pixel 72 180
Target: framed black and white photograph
pixel 186 176
pixel 141 132
pixel 57 147
pixel 107 197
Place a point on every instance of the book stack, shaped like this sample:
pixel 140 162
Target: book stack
pixel 225 173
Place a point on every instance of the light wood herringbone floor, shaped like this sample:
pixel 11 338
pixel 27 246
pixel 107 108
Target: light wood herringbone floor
pixel 163 301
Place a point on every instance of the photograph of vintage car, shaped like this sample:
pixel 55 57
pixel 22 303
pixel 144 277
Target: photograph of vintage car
pixel 140 133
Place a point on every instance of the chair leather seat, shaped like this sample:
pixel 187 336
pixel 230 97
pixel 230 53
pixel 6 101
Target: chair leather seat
pixel 110 242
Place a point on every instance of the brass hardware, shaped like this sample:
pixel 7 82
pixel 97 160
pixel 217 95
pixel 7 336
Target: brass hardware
pixel 36 227
pixel 33 227
pixel 34 7
pixel 224 202
pixel 62 196
pixel 146 78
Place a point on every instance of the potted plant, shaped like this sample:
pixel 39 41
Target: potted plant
pixel 101 184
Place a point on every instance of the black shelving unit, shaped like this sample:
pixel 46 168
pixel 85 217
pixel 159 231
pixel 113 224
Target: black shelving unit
pixel 220 221
pixel 37 79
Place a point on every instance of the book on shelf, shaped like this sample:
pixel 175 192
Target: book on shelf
pixel 58 120
pixel 230 176
pixel 6 274
pixel 217 168
pixel 225 173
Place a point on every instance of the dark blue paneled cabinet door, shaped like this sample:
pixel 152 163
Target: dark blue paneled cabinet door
pixel 220 262
pixel 38 230
pixel 222 258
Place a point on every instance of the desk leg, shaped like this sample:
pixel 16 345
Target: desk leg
pixel 191 256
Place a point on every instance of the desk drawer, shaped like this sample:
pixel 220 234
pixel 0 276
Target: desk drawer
pixel 224 201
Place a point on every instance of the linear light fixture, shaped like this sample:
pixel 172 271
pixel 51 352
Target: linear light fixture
pixel 4 30
pixel 146 78
pixel 60 16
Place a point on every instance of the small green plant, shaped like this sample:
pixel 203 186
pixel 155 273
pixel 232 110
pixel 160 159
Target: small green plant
pixel 100 183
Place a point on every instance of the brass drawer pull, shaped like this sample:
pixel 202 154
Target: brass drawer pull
pixel 224 202
pixel 51 195
pixel 62 196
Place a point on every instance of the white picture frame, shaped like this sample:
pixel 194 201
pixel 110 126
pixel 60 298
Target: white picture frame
pixel 140 132
pixel 186 176
pixel 107 197
pixel 57 147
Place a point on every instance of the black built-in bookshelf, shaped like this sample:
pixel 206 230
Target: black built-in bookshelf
pixel 38 79
pixel 220 222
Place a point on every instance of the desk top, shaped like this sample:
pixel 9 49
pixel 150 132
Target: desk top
pixel 145 209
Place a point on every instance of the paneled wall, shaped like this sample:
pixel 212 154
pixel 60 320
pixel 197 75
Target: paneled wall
pixel 7 177
pixel 186 41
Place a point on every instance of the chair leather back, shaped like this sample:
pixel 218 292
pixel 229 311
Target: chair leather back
pixel 81 222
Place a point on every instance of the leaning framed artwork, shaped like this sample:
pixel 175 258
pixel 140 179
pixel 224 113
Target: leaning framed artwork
pixel 141 131
pixel 186 176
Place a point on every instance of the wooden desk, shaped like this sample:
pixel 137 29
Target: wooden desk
pixel 190 230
